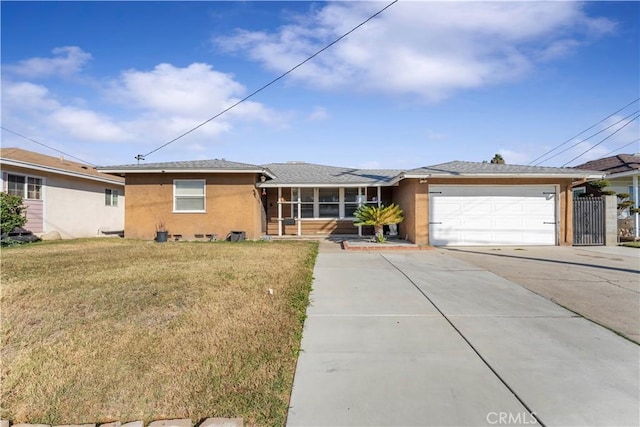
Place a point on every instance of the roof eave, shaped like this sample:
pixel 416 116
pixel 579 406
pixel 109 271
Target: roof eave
pixel 178 170
pixel 623 174
pixel 503 176
pixel 321 184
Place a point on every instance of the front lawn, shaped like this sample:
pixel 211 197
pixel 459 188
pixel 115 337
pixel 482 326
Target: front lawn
pixel 108 329
pixel 631 244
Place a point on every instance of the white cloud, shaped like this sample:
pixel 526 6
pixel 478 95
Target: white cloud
pixel 66 61
pixel 151 107
pixel 88 125
pixel 318 114
pixel 429 49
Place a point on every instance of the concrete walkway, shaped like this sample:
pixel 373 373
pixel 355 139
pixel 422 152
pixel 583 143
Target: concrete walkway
pixel 420 338
pixel 601 283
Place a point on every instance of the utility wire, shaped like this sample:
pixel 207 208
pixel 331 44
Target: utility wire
pixel 588 138
pixel 624 146
pixel 142 156
pixel 586 130
pixel 45 145
pixel 594 146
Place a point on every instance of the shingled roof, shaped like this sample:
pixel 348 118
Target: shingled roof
pixel 619 163
pixel 213 165
pixel 60 165
pixel 303 174
pixel 458 168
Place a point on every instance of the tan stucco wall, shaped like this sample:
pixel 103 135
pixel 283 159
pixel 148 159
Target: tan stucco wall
pixel 413 198
pixel 232 203
pixel 75 207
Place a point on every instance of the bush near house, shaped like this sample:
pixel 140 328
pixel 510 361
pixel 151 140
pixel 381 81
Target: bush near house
pixel 118 330
pixel 378 217
pixel 11 213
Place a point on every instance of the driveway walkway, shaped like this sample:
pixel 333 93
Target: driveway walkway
pixel 602 283
pixel 424 339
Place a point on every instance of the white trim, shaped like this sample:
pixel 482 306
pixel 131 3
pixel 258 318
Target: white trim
pixel 41 168
pixel 280 212
pixel 204 196
pixel 635 203
pixel 500 176
pixel 26 184
pixel 635 172
pixel 320 185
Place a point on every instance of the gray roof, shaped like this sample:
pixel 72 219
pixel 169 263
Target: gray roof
pixel 458 168
pixel 309 174
pixel 303 174
pixel 187 166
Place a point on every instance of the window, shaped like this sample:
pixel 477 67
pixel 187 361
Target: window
pixel 15 185
pixel 110 197
pixel 188 195
pixel 307 202
pixel 328 202
pixel 331 202
pixel 351 201
pixel 27 187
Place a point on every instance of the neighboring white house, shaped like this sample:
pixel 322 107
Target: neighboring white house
pixel 622 171
pixel 61 195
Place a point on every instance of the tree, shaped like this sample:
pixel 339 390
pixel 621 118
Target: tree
pixel 378 217
pixel 11 213
pixel 498 159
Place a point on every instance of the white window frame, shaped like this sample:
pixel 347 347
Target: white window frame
pixel 113 197
pixel 204 196
pixel 362 195
pixel 25 185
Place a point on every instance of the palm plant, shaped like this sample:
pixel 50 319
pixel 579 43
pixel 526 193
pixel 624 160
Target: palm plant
pixel 378 217
pixel 498 159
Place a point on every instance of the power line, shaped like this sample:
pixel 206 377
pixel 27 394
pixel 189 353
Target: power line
pixel 603 140
pixel 624 146
pixel 142 156
pixel 45 145
pixel 588 138
pixel 586 130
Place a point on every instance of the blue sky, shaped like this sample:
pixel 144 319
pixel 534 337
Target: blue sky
pixel 423 83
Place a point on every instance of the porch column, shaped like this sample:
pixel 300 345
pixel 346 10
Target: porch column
pixel 360 204
pixel 379 196
pixel 635 205
pixel 299 214
pixel 279 211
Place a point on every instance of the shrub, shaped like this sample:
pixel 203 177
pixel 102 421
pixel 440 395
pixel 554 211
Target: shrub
pixel 12 213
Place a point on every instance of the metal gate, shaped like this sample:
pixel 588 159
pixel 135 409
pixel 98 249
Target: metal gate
pixel 588 221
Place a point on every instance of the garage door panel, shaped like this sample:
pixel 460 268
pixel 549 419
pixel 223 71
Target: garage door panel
pixel 492 215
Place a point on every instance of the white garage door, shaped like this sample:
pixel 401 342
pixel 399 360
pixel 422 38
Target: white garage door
pixel 473 215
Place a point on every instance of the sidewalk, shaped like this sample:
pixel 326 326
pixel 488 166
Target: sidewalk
pixel 420 338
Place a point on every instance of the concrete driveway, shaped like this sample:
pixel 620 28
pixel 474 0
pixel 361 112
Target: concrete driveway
pixel 601 283
pixel 425 339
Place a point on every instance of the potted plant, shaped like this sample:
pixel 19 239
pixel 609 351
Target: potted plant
pixel 162 234
pixel 378 217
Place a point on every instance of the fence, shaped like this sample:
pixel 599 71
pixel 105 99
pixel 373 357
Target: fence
pixel 589 221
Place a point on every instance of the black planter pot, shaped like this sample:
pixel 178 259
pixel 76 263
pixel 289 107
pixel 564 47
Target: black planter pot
pixel 162 236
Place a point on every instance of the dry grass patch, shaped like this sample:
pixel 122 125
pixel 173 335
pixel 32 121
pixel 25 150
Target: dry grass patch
pixel 104 330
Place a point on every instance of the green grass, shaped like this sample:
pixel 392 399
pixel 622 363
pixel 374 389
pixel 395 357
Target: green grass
pixel 631 244
pixel 108 329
